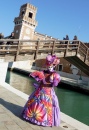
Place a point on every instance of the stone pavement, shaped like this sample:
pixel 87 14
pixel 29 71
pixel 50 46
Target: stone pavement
pixel 10 108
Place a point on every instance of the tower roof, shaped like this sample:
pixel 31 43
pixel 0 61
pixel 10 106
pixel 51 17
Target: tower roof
pixel 28 5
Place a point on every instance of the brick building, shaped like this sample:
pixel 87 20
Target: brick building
pixel 25 25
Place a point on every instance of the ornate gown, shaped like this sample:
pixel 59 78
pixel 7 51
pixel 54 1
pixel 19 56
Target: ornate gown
pixel 42 107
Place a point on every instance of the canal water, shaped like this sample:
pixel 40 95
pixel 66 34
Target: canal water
pixel 72 103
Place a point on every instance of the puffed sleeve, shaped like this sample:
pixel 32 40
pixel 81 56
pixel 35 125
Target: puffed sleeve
pixel 55 79
pixel 38 75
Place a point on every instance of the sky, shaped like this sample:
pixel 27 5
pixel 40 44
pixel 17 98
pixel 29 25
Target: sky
pixel 56 18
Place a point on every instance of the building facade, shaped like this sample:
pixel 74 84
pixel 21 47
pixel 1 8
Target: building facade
pixel 25 23
pixel 24 29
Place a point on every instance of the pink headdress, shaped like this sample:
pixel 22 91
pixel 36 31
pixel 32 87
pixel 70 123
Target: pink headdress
pixel 52 60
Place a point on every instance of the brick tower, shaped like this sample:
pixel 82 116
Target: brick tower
pixel 25 24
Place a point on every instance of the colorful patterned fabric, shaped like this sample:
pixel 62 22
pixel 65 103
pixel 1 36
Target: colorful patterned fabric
pixel 42 107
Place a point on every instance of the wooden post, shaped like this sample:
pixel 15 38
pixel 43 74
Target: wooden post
pixel 4 46
pixel 78 49
pixel 53 48
pixel 86 56
pixel 49 44
pixel 37 49
pixel 65 54
pixel 18 50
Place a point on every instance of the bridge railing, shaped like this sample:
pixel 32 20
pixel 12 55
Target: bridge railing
pixel 83 50
pixel 17 47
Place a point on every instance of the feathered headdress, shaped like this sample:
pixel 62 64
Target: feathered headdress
pixel 52 60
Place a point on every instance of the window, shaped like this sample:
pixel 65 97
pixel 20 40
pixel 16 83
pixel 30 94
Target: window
pixel 30 15
pixel 60 67
pixel 33 64
pixel 23 13
pixel 16 31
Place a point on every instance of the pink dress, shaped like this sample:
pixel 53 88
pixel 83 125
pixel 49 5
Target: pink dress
pixel 42 107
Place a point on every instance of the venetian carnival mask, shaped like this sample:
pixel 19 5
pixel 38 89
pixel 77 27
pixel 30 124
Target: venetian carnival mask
pixel 51 68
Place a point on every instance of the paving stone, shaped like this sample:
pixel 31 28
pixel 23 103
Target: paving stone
pixel 1 110
pixel 35 127
pixel 52 128
pixel 2 91
pixel 21 123
pixel 3 128
pixel 4 117
pixel 14 127
pixel 11 115
pixel 27 128
pixel 9 122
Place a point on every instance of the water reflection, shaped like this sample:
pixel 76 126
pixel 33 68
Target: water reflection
pixel 22 83
pixel 71 103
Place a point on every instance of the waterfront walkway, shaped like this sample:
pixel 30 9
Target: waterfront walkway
pixel 11 104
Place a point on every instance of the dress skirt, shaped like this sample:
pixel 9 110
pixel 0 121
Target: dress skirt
pixel 42 107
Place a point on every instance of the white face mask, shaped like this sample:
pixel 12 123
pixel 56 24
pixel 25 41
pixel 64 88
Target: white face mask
pixel 50 68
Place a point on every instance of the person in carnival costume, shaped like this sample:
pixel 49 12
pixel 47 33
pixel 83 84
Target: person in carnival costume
pixel 42 107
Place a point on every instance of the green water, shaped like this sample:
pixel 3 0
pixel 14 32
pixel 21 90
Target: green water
pixel 71 103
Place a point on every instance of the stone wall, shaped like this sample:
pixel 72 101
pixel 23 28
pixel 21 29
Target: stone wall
pixel 3 71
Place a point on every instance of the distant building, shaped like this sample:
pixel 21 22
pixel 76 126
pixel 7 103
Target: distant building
pixel 25 25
